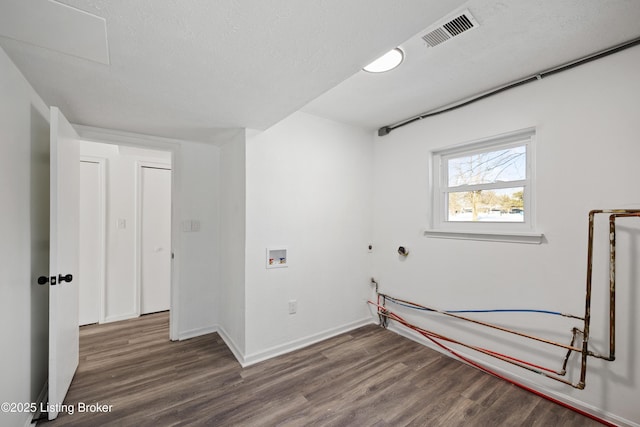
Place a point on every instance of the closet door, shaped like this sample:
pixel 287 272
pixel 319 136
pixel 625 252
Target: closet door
pixel 155 247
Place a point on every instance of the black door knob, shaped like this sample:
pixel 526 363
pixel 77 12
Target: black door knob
pixel 44 279
pixel 67 278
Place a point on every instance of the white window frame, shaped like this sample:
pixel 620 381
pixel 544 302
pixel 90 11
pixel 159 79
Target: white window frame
pixel 519 232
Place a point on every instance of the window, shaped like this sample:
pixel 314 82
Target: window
pixel 484 189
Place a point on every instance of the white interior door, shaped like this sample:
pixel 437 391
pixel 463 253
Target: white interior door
pixel 63 259
pixel 91 242
pixel 155 248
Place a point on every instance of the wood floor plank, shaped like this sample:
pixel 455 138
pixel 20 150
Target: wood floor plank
pixel 367 377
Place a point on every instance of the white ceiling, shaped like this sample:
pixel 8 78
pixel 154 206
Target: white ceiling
pixel 515 39
pixel 191 69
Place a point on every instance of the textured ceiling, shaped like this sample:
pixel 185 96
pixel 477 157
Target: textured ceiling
pixel 515 39
pixel 187 68
pixel 193 69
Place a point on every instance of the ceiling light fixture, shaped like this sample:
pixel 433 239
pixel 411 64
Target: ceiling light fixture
pixel 386 62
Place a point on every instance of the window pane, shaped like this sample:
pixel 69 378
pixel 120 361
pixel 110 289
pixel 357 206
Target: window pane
pixel 489 167
pixel 503 205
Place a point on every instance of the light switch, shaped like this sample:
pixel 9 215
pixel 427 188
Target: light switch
pixel 186 226
pixel 122 223
pixel 195 225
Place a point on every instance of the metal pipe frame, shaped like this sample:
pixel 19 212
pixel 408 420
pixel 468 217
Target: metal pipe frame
pixel 613 214
pixel 385 314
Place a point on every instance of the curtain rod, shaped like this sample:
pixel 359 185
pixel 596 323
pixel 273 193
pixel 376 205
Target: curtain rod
pixel 385 130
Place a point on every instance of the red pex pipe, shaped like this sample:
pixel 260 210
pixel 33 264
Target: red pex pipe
pixel 495 374
pixel 399 319
pixel 522 386
pixel 481 349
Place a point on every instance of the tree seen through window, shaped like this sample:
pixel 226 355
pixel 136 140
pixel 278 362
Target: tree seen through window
pixel 487 186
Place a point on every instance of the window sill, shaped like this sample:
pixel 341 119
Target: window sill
pixel 510 237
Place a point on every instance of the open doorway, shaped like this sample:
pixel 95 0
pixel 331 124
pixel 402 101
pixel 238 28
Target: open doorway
pixel 91 244
pixel 125 223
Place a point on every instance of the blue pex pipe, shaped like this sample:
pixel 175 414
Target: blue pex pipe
pixel 497 310
pixel 507 310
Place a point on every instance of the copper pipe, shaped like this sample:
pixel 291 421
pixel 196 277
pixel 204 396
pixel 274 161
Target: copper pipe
pixel 587 302
pixel 392 316
pixel 612 286
pixel 384 321
pixel 574 332
pixel 612 278
pixel 490 325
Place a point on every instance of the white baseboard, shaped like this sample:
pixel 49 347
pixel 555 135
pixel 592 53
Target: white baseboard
pixel 593 410
pixel 120 317
pixel 303 342
pixel 279 350
pixel 192 333
pixel 237 353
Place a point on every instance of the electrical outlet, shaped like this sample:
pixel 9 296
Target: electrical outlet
pixel 293 306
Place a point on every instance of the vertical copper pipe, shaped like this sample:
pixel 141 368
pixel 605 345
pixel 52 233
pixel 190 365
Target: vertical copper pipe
pixel 612 287
pixel 574 332
pixel 617 213
pixel 382 313
pixel 587 303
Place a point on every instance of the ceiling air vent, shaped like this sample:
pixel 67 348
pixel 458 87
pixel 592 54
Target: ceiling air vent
pixel 443 32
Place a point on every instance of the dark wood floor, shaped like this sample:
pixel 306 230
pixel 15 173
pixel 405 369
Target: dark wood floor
pixel 368 377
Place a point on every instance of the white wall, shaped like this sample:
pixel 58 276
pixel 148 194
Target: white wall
pixel 24 240
pixel 231 301
pixel 309 189
pixel 199 167
pixel 121 173
pixel 587 158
